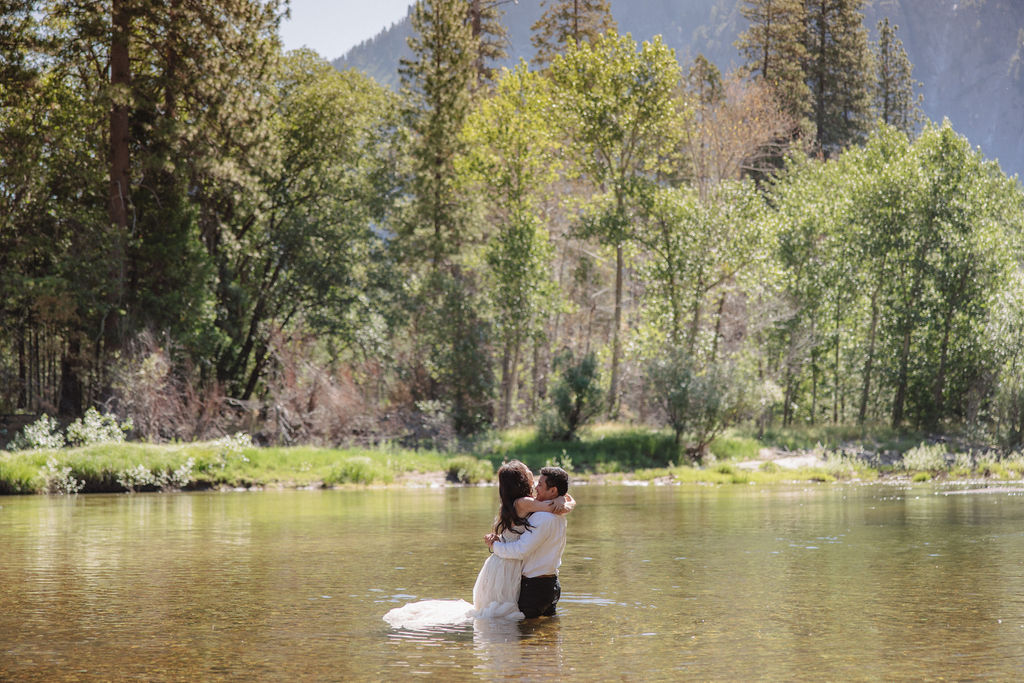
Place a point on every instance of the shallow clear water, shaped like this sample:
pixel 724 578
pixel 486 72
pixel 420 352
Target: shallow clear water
pixel 803 582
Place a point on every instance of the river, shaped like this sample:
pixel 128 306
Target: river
pixel 801 582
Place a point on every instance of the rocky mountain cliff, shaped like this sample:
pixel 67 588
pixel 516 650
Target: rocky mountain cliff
pixel 969 54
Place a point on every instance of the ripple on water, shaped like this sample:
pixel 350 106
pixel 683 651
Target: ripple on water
pixel 586 599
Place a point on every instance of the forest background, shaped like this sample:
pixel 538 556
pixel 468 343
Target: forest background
pixel 204 234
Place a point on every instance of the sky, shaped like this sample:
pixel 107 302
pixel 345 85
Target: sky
pixel 331 27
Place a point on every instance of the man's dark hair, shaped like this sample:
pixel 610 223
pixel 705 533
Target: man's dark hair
pixel 556 476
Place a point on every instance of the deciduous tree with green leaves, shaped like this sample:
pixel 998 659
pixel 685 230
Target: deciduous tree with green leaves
pixel 616 101
pixel 311 256
pixel 513 162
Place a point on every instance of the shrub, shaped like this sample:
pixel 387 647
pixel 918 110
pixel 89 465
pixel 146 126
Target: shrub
pixel 94 428
pixel 358 470
pixel 59 479
pixel 701 402
pixel 925 458
pixel 1015 461
pixel 232 447
pixel 466 469
pixel 575 399
pixel 136 478
pixel 564 461
pixel 172 480
pixel 431 426
pixel 963 463
pixel 43 433
pixel 987 463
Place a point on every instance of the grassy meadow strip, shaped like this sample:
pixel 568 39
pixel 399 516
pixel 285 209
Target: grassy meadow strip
pixel 116 467
pixel 606 454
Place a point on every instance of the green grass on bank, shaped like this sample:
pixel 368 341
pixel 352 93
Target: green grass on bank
pixel 610 452
pixel 115 467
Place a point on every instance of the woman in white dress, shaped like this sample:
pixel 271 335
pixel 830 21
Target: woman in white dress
pixel 496 592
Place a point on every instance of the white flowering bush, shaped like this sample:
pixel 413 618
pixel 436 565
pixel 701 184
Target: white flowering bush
pixel 94 428
pixel 59 479
pixel 141 477
pixel 925 458
pixel 963 462
pixel 43 433
pixel 233 447
pixel 136 477
pixel 177 479
pixel 1015 460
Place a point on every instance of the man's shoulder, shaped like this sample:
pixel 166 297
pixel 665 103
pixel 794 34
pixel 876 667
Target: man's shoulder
pixel 541 517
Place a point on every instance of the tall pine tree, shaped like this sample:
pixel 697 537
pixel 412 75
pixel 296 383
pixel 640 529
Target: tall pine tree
pixel 774 49
pixel 490 34
pixel 437 83
pixel 893 99
pixel 838 73
pixel 568 23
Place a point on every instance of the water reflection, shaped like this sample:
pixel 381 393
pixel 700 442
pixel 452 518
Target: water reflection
pixel 524 650
pixel 516 650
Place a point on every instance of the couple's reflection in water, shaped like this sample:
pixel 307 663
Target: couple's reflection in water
pixel 527 650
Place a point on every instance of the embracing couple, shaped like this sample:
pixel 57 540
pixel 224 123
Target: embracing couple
pixel 520 578
pixel 527 544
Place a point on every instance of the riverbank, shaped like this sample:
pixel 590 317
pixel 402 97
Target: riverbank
pixel 607 454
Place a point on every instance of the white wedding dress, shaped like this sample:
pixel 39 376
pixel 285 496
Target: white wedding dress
pixel 495 596
pixel 496 591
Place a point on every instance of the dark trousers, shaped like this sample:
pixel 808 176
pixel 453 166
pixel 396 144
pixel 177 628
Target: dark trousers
pixel 539 595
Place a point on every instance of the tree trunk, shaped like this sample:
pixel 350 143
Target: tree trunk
pixel 819 106
pixel 901 383
pixel 613 390
pixel 120 167
pixel 536 393
pixel 691 343
pixel 814 373
pixel 513 390
pixel 787 414
pixel 70 403
pixel 257 369
pixel 814 386
pixel 835 388
pixel 509 366
pixel 718 328
pixel 939 390
pixel 22 403
pixel 506 399
pixel 870 360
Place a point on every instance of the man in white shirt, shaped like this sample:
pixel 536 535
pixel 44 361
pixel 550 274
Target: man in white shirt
pixel 540 548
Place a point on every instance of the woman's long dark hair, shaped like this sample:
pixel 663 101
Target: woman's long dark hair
pixel 513 483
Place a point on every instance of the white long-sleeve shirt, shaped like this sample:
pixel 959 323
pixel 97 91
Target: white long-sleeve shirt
pixel 540 547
